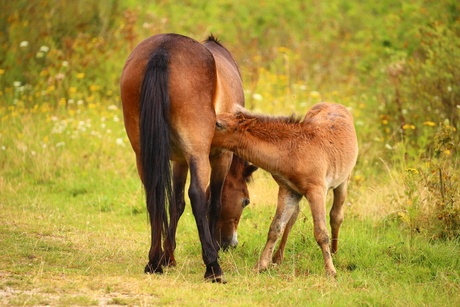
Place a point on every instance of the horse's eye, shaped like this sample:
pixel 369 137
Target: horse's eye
pixel 246 202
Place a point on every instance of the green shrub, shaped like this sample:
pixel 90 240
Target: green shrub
pixel 426 92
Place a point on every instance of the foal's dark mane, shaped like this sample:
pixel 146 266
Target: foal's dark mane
pixel 273 129
pixel 261 118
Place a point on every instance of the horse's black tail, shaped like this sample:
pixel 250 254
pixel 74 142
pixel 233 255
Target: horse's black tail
pixel 155 150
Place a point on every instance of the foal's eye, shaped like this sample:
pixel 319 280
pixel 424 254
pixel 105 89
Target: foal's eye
pixel 219 125
pixel 246 202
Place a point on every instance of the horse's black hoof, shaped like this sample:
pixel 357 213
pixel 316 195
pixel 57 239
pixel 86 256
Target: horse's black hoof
pixel 214 273
pixel 151 268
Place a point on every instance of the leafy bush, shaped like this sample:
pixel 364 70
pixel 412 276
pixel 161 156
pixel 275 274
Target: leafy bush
pixel 426 93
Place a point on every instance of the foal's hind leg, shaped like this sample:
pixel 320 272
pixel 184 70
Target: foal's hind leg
pixel 279 254
pixel 316 196
pixel 336 214
pixel 175 211
pixel 288 202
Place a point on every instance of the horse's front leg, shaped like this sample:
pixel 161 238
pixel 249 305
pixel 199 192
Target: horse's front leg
pixel 220 164
pixel 288 202
pixel 175 211
pixel 316 196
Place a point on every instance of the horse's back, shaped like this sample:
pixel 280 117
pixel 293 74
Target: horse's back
pixel 229 83
pixel 191 86
pixel 191 65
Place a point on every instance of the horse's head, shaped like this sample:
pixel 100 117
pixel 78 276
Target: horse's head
pixel 235 197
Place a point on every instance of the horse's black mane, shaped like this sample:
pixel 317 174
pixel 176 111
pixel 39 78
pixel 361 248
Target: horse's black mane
pixel 212 38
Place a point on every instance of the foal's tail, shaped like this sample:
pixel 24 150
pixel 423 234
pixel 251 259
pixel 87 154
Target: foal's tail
pixel 155 148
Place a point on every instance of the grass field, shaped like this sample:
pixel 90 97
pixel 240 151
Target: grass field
pixel 73 224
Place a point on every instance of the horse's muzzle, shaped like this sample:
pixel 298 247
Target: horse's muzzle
pixel 233 242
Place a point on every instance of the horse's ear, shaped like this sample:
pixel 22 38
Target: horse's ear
pixel 219 125
pixel 249 169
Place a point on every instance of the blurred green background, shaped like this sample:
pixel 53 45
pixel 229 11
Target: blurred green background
pixel 73 226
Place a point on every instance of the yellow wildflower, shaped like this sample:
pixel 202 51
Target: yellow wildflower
pixel 408 126
pixel 94 88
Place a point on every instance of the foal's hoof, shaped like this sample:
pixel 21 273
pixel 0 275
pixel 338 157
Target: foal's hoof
pixel 151 268
pixel 260 267
pixel 331 274
pixel 214 273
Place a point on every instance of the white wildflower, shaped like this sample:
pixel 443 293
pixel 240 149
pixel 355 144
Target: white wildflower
pixel 119 142
pixel 44 49
pixel 257 97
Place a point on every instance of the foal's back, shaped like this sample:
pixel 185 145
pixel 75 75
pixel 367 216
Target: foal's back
pixel 333 147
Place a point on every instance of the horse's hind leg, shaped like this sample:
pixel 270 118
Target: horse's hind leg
pixel 175 211
pixel 337 213
pixel 288 202
pixel 220 164
pixel 155 252
pixel 279 254
pixel 200 170
pixel 316 196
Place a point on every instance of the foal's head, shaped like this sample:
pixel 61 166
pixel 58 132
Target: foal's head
pixel 235 197
pixel 230 128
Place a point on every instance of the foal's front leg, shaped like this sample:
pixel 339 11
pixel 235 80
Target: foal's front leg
pixel 279 254
pixel 288 202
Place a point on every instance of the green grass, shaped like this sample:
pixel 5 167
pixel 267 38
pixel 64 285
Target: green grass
pixel 56 251
pixel 81 238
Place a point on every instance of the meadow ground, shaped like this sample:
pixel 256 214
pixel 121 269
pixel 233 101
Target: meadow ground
pixel 74 231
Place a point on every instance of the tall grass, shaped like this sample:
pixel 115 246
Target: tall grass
pixel 73 223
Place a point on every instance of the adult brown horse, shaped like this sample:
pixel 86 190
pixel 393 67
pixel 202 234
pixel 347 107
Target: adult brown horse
pixel 306 157
pixel 171 89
